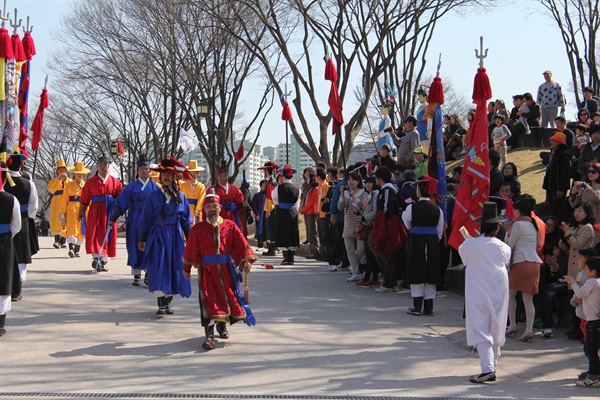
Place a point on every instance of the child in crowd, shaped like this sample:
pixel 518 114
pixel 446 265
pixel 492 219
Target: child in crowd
pixel 596 118
pixel 581 136
pixel 524 108
pixel 420 161
pixel 500 134
pixel 589 293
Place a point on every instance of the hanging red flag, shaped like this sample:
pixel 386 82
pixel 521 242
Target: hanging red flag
pixel 38 121
pixel 474 189
pixel 239 154
pixel 120 148
pixel 334 101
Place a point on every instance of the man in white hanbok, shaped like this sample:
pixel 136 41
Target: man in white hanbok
pixel 486 292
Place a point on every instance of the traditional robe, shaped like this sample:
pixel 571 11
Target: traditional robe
pixel 286 198
pixel 486 289
pixel 10 225
pixel 220 299
pixel 161 225
pixel 57 188
pixel 71 197
pixel 269 225
pixel 426 222
pixel 195 194
pixel 231 202
pixel 26 194
pixel 100 196
pixel 132 199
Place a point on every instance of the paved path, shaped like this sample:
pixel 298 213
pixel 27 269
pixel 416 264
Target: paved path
pixel 76 331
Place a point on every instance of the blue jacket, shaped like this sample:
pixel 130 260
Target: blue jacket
pixel 339 214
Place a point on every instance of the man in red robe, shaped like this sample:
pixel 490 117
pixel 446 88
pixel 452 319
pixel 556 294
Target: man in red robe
pixel 99 194
pixel 232 198
pixel 215 246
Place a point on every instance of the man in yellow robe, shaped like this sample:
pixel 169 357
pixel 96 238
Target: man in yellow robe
pixel 195 191
pixel 57 187
pixel 74 232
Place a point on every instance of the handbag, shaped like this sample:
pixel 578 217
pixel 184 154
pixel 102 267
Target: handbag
pixel 361 231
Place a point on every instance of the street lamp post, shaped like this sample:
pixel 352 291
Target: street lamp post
pixel 204 112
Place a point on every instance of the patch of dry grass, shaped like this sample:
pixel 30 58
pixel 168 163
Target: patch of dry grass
pixel 531 171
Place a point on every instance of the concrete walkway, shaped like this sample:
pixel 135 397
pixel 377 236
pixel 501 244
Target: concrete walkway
pixel 78 332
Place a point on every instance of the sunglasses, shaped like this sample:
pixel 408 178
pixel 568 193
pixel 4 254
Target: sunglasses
pixel 591 171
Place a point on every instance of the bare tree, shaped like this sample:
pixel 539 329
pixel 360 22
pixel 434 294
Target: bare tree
pixel 578 22
pixel 375 40
pixel 141 69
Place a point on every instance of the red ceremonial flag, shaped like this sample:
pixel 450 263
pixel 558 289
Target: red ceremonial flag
pixel 334 101
pixel 474 189
pixel 38 121
pixel 239 154
pixel 120 148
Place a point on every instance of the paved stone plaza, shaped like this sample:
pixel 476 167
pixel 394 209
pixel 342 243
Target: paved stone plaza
pixel 78 333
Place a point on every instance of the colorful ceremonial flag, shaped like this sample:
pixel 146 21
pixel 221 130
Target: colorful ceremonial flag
pixel 474 188
pixel 436 164
pixel 239 154
pixel 334 101
pixel 6 54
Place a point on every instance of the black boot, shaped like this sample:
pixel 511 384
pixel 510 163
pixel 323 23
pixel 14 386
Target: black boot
pixel 286 257
pixel 71 250
pixel 76 249
pixel 146 278
pixel 209 342
pixel 63 242
pixel 56 242
pixel 417 305
pixel 271 249
pixel 222 330
pixel 136 280
pixel 17 285
pixel 161 306
pixel 291 254
pixel 167 303
pixel 428 307
pixel 2 322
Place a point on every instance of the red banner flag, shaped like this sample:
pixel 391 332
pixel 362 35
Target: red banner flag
pixel 239 154
pixel 38 121
pixel 334 101
pixel 474 189
pixel 120 148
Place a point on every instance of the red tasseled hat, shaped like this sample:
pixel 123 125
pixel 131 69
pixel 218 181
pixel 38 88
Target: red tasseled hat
pixel 431 185
pixel 212 197
pixel 173 166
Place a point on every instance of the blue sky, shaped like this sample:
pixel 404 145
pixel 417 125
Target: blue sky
pixel 522 44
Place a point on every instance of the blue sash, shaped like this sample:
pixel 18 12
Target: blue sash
pixel 193 201
pixel 424 230
pixel 74 198
pixel 58 193
pixel 169 220
pixel 4 228
pixel 287 206
pixel 230 206
pixel 24 208
pixel 226 259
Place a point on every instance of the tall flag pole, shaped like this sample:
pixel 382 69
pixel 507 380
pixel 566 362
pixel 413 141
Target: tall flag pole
pixel 474 188
pixel 436 164
pixel 6 55
pixel 334 101
pixel 38 123
pixel 286 115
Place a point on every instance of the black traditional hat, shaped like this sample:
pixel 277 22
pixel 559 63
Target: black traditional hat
pixel 490 214
pixel 143 161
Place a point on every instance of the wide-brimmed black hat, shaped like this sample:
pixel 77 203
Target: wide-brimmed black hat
pixel 490 214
